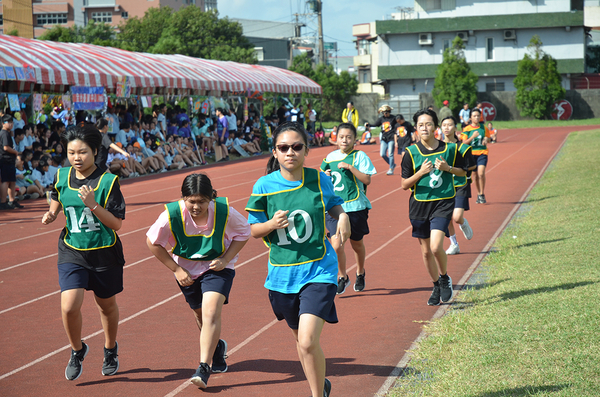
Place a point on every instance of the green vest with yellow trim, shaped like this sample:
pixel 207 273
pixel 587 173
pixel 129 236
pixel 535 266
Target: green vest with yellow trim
pixel 345 184
pixel 83 231
pixel 477 143
pixel 199 247
pixel 461 180
pixel 303 241
pixel 437 185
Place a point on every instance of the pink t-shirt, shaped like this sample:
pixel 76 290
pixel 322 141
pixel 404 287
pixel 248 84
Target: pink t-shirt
pixel 160 233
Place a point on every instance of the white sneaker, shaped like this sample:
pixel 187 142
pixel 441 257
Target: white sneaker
pixel 453 249
pixel 466 229
pixel 390 172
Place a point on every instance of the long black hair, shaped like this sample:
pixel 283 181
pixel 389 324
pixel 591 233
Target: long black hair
pixel 101 123
pixel 86 133
pixel 428 112
pixel 197 185
pixel 273 164
pixel 454 121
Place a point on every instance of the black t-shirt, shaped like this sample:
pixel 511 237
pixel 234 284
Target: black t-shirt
pixel 103 153
pixel 406 140
pixel 281 114
pixel 104 258
pixel 53 140
pixel 388 127
pixel 426 210
pixel 6 140
pixel 469 162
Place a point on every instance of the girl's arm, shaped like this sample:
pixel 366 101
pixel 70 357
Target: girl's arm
pixel 426 167
pixel 469 140
pixel 183 276
pixel 220 263
pixel 118 149
pixel 50 216
pixel 279 221
pixel 106 217
pixel 442 165
pixel 343 226
pixel 364 178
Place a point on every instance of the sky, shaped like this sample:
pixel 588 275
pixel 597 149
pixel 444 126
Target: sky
pixel 338 16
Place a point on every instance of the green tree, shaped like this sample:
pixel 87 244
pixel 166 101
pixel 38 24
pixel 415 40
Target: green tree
pixel 93 33
pixel 538 82
pixel 454 80
pixel 141 34
pixel 61 34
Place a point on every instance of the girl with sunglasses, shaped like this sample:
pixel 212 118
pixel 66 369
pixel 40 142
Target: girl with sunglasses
pixel 287 210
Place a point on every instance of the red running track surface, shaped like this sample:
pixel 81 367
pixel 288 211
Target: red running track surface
pixel 158 337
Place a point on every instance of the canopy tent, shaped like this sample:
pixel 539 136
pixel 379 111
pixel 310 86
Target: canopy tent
pixel 48 63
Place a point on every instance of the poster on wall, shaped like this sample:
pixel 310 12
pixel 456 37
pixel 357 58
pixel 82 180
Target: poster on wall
pixel 88 98
pixel 2 74
pixel 20 72
pixel 124 87
pixel 10 73
pixel 29 73
pixel 144 102
pixel 13 100
pixel 37 102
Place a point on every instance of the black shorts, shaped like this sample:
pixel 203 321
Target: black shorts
pixel 461 202
pixel 8 172
pixel 104 284
pixel 211 281
pixel 422 229
pixel 313 298
pixel 481 159
pixel 359 227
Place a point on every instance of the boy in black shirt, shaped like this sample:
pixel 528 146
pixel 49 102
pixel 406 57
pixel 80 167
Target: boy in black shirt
pixel 8 158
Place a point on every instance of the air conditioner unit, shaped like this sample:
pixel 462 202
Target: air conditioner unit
pixel 362 51
pixel 464 36
pixel 510 34
pixel 425 39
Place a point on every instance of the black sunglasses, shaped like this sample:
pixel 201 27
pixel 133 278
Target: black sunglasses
pixel 296 147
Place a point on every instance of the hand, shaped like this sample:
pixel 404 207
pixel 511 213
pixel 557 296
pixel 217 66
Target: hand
pixel 328 172
pixel 343 229
pixel 426 167
pixel 183 277
pixel 280 220
pixel 441 164
pixel 86 194
pixel 48 217
pixel 218 264
pixel 475 135
pixel 344 166
pixel 126 154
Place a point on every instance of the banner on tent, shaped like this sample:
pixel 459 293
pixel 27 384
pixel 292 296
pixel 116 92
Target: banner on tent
pixel 88 98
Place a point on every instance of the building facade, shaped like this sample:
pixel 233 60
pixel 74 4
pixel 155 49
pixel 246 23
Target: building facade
pixel 273 41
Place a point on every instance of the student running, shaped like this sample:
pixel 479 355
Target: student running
pixel 201 226
pixel 287 209
pixel 90 254
pixel 478 136
pixel 351 172
pixel 427 170
pixel 462 185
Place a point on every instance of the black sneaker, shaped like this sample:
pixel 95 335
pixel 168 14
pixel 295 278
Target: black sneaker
pixel 218 363
pixel 327 388
pixel 482 199
pixel 359 284
pixel 110 366
pixel 201 376
pixel 434 299
pixel 74 368
pixel 342 284
pixel 478 201
pixel 5 206
pixel 15 204
pixel 445 287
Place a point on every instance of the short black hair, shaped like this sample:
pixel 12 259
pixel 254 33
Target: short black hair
pixel 427 112
pixel 7 118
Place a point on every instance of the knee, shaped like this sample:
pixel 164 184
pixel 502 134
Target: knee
pixel 307 344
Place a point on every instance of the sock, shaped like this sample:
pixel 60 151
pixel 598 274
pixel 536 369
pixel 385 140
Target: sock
pixel 453 240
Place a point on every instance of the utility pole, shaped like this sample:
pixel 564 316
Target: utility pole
pixel 320 32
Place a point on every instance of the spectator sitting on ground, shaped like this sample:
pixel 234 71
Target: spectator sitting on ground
pixel 251 147
pixel 116 165
pixel 319 137
pixel 27 188
pixel 121 137
pixel 332 136
pixel 367 138
pixel 311 136
pixel 184 131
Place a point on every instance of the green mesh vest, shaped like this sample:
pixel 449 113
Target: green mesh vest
pixel 303 240
pixel 477 143
pixel 84 232
pixel 461 180
pixel 345 184
pixel 438 185
pixel 199 247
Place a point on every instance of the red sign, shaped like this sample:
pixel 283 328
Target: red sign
pixel 562 110
pixel 488 110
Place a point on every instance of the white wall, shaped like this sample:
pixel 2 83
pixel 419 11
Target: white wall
pixel 493 7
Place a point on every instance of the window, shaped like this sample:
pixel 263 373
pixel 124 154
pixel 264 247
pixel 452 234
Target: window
pixel 489 47
pixel 102 17
pixel 447 43
pixel 51 19
pixel 210 5
pixel 494 86
pixel 1 19
pixel 365 76
pixel 436 5
pixel 260 53
pixel 363 47
pixel 124 14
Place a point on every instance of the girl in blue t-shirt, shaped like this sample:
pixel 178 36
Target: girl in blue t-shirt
pixel 287 209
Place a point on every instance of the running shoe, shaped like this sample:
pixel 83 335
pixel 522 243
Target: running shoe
pixel 201 376
pixel 478 199
pixel 327 388
pixel 482 200
pixel 390 172
pixel 359 284
pixel 110 366
pixel 453 249
pixel 466 229
pixel 15 204
pixel 218 363
pixel 434 299
pixel 445 288
pixel 342 284
pixel 74 367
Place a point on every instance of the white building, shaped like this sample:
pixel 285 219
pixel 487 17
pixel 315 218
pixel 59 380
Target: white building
pixel 496 34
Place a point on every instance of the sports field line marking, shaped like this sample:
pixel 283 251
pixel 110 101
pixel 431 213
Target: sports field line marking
pixel 391 379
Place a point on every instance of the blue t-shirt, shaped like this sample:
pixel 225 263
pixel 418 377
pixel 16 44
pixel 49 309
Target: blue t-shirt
pixel 223 127
pixel 291 279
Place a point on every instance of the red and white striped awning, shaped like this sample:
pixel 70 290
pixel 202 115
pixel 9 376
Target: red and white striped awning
pixel 74 64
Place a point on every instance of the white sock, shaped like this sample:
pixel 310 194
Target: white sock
pixel 453 240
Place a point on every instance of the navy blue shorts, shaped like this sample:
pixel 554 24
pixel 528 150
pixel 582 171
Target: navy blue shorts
pixel 359 227
pixel 313 298
pixel 8 172
pixel 210 281
pixel 422 229
pixel 481 159
pixel 461 202
pixel 104 284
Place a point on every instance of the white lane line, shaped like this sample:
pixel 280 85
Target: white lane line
pixel 31 261
pixel 397 371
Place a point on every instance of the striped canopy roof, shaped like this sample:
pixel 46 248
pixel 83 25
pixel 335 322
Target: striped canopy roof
pixel 75 64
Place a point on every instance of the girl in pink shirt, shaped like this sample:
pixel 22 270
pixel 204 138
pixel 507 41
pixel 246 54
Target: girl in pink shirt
pixel 206 235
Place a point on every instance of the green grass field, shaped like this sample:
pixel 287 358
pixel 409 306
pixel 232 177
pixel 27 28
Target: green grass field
pixel 528 324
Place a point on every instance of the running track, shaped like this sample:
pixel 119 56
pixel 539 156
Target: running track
pixel 158 338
